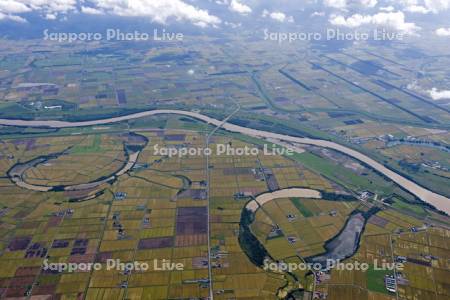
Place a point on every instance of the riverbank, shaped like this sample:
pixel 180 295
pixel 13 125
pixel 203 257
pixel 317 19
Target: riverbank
pixel 438 201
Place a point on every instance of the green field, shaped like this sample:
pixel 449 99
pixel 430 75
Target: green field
pixel 375 280
pixel 301 207
pixel 94 148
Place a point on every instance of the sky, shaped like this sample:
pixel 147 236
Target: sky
pixel 406 16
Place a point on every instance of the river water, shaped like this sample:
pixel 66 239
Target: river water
pixel 439 201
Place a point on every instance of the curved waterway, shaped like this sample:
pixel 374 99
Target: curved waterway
pixel 262 199
pixel 439 201
pixel 340 247
pixel 17 171
pixel 344 244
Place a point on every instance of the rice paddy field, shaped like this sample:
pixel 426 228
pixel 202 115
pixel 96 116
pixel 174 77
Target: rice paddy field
pixel 386 238
pixel 353 96
pixel 163 210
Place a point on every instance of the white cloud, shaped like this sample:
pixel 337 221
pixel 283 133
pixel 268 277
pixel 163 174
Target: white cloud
pixel 343 4
pixel 437 6
pixel 424 6
pixel 13 7
pixel 10 8
pixel 277 16
pixel 414 6
pixel 393 20
pixel 318 14
pixel 413 86
pixel 233 25
pixel 239 7
pixel 50 16
pixel 335 3
pixel 51 6
pixel 159 11
pixel 387 8
pixel 417 9
pixel 369 3
pixel 12 18
pixel 443 31
pixel 353 21
pixel 48 8
pixel 436 94
pixel 90 10
pixel 406 2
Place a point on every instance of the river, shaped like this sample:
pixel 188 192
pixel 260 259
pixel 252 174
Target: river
pixel 262 199
pixel 16 174
pixel 439 201
pixel 343 245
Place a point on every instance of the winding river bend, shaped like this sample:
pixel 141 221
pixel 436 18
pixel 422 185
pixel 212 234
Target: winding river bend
pixel 132 149
pixel 262 199
pixel 439 201
pixel 343 245
pixel 16 174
